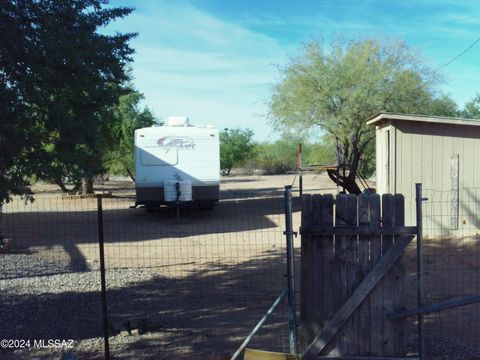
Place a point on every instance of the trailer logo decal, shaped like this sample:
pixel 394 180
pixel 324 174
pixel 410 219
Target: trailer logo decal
pixel 176 142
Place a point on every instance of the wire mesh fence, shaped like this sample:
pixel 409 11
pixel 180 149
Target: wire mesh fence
pixel 49 287
pixel 452 270
pixel 187 288
pixel 208 277
pixel 195 287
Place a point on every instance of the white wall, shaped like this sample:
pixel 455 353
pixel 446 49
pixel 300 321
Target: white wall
pixel 196 157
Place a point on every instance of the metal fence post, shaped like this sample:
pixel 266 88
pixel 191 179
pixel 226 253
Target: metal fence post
pixel 418 200
pixel 259 325
pixel 1 221
pixel 300 184
pixel 299 168
pixel 292 314
pixel 102 276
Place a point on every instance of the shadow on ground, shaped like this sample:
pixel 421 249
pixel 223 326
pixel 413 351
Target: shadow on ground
pixel 63 229
pixel 208 312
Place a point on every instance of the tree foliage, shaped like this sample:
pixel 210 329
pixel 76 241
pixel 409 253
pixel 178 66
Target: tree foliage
pixel 280 156
pixel 472 108
pixel 130 116
pixel 338 88
pixel 236 146
pixel 61 78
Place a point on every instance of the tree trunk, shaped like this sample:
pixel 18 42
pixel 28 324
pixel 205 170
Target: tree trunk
pixel 87 186
pixel 341 153
pixel 347 182
pixel 77 186
pixel 130 173
pixel 61 185
pixel 346 173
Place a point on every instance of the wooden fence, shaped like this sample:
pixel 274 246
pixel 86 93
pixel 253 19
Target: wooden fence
pixel 353 275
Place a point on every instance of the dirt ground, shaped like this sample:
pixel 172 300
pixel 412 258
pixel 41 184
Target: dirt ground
pixel 213 274
pixel 250 212
pixel 238 180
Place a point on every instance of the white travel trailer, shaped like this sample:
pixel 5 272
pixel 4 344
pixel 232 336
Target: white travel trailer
pixel 177 161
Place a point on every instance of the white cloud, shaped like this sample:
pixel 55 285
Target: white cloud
pixel 190 62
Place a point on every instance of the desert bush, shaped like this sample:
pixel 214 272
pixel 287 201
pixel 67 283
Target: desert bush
pixel 236 148
pixel 277 158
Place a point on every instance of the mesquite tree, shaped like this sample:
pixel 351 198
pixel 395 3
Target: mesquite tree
pixel 337 88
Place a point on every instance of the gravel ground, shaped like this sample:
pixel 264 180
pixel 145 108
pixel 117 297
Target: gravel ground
pixel 23 265
pixel 38 301
pixel 37 305
pixel 28 274
pixel 46 304
pixel 45 299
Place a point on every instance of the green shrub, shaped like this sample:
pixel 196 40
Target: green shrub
pixel 281 156
pixel 236 147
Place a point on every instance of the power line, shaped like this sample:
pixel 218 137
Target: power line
pixel 459 55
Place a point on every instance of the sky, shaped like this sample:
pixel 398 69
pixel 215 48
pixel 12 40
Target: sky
pixel 216 61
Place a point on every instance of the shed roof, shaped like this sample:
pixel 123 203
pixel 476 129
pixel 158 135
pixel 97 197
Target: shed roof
pixel 379 118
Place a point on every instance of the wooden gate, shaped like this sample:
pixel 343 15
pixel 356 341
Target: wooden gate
pixel 353 275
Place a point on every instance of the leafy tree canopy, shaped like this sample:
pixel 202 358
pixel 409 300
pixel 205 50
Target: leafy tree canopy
pixel 472 108
pixel 130 116
pixel 60 78
pixel 339 87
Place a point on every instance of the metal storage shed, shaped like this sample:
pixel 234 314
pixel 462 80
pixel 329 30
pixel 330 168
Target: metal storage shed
pixel 443 154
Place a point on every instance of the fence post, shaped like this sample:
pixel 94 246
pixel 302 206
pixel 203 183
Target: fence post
pixel 418 200
pixel 299 168
pixel 292 313
pixel 1 221
pixel 300 184
pixel 102 277
pixel 259 325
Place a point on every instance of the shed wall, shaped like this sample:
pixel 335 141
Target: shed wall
pixel 422 152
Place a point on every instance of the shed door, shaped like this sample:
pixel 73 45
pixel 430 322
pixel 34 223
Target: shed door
pixel 385 155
